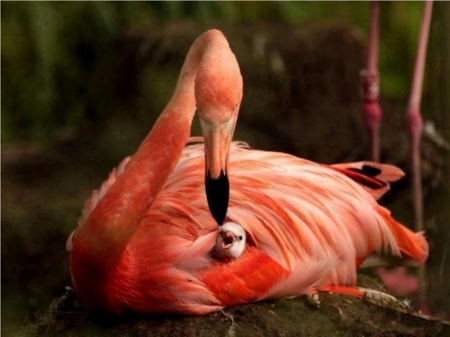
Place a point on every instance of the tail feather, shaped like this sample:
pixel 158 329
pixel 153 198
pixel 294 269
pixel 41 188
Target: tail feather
pixel 411 245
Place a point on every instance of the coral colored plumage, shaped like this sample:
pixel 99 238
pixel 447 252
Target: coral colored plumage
pixel 146 239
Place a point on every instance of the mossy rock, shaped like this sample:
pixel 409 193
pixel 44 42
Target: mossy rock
pixel 335 315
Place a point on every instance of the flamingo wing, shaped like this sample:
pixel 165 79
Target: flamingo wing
pixel 373 177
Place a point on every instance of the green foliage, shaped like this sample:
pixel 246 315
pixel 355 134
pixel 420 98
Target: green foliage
pixel 49 49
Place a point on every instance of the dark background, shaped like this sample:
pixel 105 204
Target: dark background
pixel 82 83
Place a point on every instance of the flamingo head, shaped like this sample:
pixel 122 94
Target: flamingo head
pixel 231 241
pixel 218 94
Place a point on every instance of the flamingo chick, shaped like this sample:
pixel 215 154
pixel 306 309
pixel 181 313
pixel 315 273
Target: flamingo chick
pixel 230 241
pixel 147 242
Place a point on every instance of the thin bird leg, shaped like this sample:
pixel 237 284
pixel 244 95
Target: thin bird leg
pixel 415 125
pixel 370 295
pixel 344 290
pixel 414 115
pixel 370 85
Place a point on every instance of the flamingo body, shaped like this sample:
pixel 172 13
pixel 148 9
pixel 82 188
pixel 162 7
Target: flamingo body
pixel 146 240
pixel 309 226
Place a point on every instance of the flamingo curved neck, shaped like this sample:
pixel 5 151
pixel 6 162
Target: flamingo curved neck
pixel 100 241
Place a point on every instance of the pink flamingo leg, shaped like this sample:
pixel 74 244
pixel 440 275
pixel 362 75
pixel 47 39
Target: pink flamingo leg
pixel 415 130
pixel 414 115
pixel 371 87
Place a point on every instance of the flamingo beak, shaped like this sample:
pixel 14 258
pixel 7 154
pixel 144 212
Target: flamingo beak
pixel 217 147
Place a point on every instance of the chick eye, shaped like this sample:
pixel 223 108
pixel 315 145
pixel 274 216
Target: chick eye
pixel 240 237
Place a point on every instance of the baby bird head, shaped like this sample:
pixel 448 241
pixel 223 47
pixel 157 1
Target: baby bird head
pixel 231 241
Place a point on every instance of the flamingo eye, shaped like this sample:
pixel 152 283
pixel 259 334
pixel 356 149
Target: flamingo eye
pixel 240 237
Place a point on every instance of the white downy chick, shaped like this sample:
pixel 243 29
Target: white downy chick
pixel 230 241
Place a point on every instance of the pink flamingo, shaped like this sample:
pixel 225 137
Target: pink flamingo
pixel 396 280
pixel 371 108
pixel 370 86
pixel 414 115
pixel 147 242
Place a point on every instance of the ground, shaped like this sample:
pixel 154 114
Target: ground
pixel 334 315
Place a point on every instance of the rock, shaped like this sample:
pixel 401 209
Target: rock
pixel 336 315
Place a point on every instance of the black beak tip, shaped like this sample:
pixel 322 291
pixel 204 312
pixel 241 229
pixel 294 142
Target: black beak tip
pixel 218 195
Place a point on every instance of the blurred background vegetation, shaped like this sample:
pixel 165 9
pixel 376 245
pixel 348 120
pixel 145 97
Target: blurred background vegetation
pixel 49 49
pixel 59 70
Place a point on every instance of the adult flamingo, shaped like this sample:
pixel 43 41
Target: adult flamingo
pixel 147 242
